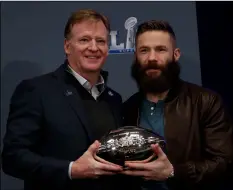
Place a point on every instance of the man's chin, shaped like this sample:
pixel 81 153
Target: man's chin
pixel 92 67
pixel 154 84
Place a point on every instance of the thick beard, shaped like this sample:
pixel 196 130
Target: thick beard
pixel 148 84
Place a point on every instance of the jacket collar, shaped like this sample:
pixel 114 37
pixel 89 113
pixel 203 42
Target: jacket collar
pixel 64 69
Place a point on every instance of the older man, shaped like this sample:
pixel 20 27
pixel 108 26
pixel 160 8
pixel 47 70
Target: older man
pixel 55 119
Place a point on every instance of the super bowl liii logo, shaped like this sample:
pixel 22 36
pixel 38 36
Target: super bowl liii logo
pixel 128 47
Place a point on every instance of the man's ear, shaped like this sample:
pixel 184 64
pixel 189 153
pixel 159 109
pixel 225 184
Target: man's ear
pixel 67 46
pixel 177 54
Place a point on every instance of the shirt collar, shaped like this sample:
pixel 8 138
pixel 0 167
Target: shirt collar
pixel 84 82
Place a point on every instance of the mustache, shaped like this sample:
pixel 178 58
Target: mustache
pixel 151 65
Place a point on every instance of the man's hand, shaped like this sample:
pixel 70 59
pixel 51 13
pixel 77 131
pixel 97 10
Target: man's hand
pixel 159 169
pixel 91 166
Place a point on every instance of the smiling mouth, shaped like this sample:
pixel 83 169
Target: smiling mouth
pixel 92 57
pixel 152 70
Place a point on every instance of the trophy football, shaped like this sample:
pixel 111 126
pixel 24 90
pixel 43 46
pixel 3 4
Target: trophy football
pixel 128 143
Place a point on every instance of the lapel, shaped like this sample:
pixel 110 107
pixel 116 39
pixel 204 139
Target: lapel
pixel 131 110
pixel 73 98
pixel 115 105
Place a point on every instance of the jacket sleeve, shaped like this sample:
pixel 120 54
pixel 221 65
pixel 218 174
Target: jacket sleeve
pixel 217 140
pixel 23 135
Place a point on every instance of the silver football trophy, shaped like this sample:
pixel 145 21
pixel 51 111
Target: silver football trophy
pixel 128 143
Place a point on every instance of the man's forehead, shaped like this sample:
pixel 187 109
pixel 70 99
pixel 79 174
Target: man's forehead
pixel 154 38
pixel 90 26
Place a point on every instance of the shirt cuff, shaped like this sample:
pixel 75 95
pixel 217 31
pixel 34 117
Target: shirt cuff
pixel 69 171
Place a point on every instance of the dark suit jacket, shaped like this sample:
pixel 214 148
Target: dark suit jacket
pixel 48 128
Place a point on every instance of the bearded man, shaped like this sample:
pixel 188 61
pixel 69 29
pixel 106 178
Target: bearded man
pixel 192 119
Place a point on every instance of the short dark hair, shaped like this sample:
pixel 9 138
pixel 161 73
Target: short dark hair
pixel 84 14
pixel 155 25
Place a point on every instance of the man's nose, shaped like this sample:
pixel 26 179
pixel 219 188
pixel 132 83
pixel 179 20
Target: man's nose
pixel 152 56
pixel 93 46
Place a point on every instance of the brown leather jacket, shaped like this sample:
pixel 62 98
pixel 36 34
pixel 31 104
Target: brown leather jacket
pixel 198 133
